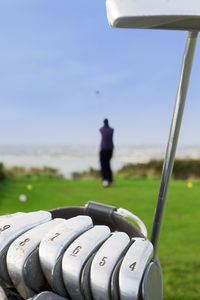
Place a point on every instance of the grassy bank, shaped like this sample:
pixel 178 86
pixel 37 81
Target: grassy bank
pixel 179 249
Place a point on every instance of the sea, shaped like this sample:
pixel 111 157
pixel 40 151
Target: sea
pixel 77 158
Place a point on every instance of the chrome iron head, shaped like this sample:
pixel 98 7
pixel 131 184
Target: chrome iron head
pixel 104 263
pixel 133 267
pixel 20 250
pixel 53 246
pixel 77 255
pixel 11 227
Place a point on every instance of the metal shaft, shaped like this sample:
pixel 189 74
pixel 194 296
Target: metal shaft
pixel 173 135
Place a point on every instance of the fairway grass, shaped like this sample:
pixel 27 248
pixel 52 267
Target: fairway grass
pixel 179 247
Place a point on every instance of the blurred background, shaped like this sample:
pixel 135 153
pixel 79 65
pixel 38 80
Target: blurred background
pixel 63 70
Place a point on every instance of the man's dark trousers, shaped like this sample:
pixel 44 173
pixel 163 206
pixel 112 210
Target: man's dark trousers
pixel 105 157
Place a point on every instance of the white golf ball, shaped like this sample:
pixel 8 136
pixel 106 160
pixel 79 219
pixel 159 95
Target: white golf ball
pixel 22 198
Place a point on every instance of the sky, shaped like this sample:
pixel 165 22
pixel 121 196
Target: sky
pixel 63 69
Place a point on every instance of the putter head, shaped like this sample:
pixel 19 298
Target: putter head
pixel 154 14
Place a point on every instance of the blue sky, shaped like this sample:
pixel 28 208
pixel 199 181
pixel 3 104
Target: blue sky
pixel 55 55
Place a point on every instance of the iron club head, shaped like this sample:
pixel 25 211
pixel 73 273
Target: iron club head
pixel 53 246
pixel 76 256
pixel 132 268
pixel 104 263
pixel 11 227
pixel 19 252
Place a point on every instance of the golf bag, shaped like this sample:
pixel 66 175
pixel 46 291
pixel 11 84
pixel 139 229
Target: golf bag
pixel 89 252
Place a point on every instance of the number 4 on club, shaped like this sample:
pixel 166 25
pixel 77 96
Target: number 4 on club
pixel 132 266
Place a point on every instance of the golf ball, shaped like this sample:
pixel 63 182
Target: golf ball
pixel 22 198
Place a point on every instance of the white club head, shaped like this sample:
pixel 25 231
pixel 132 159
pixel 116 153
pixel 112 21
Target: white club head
pixel 104 263
pixel 3 217
pixel 133 267
pixel 11 227
pixel 53 246
pixel 19 252
pixel 154 14
pixel 77 255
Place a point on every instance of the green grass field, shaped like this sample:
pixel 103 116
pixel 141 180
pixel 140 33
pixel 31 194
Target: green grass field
pixel 179 248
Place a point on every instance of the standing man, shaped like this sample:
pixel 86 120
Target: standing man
pixel 106 151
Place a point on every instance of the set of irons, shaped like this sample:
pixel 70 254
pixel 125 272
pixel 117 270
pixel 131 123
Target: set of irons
pixel 56 258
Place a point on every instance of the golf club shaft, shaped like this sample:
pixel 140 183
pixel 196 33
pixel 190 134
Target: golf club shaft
pixel 173 135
